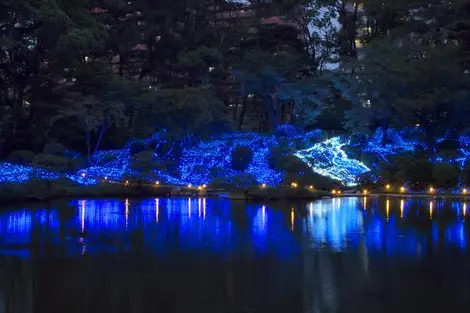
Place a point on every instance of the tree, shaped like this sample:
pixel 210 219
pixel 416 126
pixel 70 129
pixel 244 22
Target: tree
pixel 318 32
pixel 274 80
pixel 143 164
pixel 181 110
pixel 95 117
pixel 41 44
pixel 409 78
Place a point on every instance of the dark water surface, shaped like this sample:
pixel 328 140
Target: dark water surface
pixel 206 255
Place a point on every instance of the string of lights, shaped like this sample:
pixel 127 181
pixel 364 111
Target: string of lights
pixel 328 159
pixel 199 162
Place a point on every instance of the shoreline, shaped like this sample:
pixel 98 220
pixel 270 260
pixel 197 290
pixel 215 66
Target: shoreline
pixel 44 191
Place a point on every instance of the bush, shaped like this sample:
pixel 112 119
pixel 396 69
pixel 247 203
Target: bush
pixel 445 175
pixel 145 162
pixel 54 148
pixel 136 147
pixel 315 136
pixel 295 170
pixel 220 182
pixel 23 157
pixel 367 180
pixel 416 172
pixel 244 180
pixel 104 159
pixel 420 173
pixel 369 158
pixel 276 157
pixel 50 162
pixel 241 158
pixel 466 173
pixel 76 163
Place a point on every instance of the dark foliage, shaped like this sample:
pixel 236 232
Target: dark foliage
pixel 241 158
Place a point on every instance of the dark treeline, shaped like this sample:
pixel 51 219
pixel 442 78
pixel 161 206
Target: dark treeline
pixel 91 74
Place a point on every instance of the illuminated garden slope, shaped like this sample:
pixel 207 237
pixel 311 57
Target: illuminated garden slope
pixel 328 159
pixel 200 162
pixel 208 160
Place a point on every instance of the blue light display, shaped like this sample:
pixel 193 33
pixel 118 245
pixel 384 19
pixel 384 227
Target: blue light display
pixel 200 162
pixel 197 162
pixel 328 159
pixel 388 142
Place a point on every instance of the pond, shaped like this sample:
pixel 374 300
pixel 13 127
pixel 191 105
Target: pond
pixel 208 255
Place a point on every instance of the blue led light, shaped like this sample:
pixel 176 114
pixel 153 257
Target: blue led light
pixel 200 162
pixel 328 159
pixel 197 162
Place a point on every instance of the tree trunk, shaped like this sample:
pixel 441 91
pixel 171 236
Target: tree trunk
pixel 100 138
pixel 242 113
pixel 121 65
pixel 430 140
pixel 234 111
pixel 88 144
pixel 271 107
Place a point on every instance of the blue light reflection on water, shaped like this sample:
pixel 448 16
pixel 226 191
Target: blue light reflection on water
pixel 392 228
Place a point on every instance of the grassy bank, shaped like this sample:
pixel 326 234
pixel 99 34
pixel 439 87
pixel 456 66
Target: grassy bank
pixel 49 190
pixel 40 190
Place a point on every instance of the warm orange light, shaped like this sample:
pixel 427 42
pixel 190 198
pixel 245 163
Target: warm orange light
pixel 157 183
pixel 388 187
pixel 402 189
pixel 338 192
pixel 311 187
pixel 127 183
pixel 365 192
pixel 387 207
pixel 294 185
pixel 333 191
pixel 464 191
pixel 263 186
pixel 432 190
pixel 402 207
pixel 292 218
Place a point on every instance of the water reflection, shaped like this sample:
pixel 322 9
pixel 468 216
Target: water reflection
pixel 389 227
pixel 324 256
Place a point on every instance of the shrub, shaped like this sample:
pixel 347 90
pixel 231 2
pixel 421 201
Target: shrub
pixel 367 180
pixel 288 130
pixel 369 158
pixel 105 159
pixel 420 173
pixel 466 173
pixel 244 180
pixel 276 157
pixel 136 147
pixel 445 175
pixel 297 171
pixel 315 136
pixel 54 148
pixel 241 158
pixel 220 182
pixel 417 172
pixel 23 157
pixel 50 162
pixel 145 162
pixel 76 163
